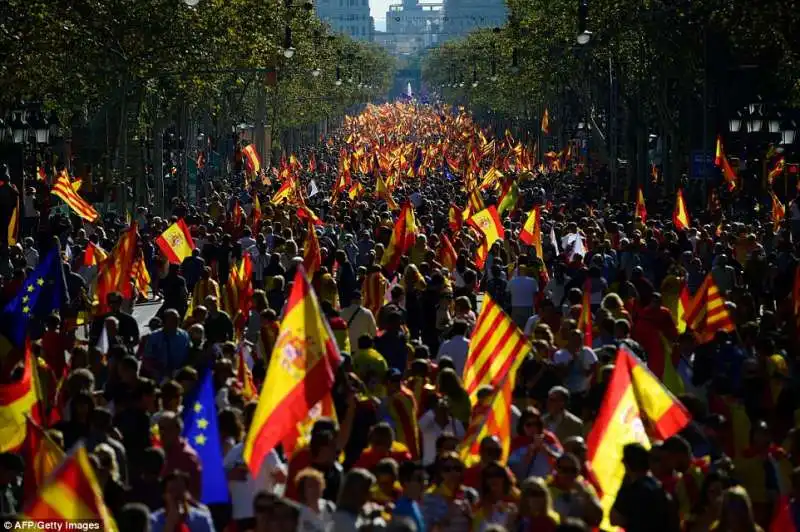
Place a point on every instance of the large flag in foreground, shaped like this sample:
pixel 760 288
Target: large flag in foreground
pixel 635 398
pixel 71 494
pixel 19 401
pixel 176 242
pixel 42 456
pixel 300 373
pixel 200 430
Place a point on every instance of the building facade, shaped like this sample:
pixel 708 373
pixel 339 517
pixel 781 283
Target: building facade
pixel 464 16
pixel 411 26
pixel 351 17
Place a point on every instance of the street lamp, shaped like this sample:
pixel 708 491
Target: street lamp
pixel 19 127
pixel 754 124
pixel 584 35
pixel 474 77
pixel 338 82
pixel 316 72
pixel 515 61
pixel 191 3
pixel 774 125
pixel 735 124
pixel 288 49
pixel 788 135
pixel 40 128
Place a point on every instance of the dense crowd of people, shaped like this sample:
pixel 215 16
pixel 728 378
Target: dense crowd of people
pixel 406 334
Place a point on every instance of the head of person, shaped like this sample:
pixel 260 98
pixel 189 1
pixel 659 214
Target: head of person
pixel 210 302
pixel 496 483
pixel 679 453
pixel 386 475
pixel 557 400
pixel 355 489
pixel 152 464
pixel 449 383
pixel 490 450
pixel 412 478
pixel 175 486
pixel 636 459
pixel 711 492
pixel 381 437
pixel 535 498
pixel 568 468
pixel 737 510
pixel 356 298
pixel 114 301
pixel 450 469
pixel 310 486
pixel 171 320
pixel 171 395
pixel 134 517
pixel 530 423
pixel 170 427
pixel 576 445
pixel 323 447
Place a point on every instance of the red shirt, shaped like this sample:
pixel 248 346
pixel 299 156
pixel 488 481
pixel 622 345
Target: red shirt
pixel 182 457
pixel 370 457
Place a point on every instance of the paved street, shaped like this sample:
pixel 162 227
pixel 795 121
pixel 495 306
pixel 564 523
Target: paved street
pixel 144 312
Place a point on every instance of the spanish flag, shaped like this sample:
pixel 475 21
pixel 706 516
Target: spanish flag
pixel 64 190
pixel 312 254
pixel 312 162
pixel 382 192
pixel 496 350
pixel 634 399
pixel 454 218
pixel 546 122
pixel 721 161
pixel 706 313
pixel 42 456
pixel 778 212
pixel 777 170
pixel 285 193
pixel 19 401
pixel 531 233
pixel 680 216
pixel 140 275
pixel 251 159
pixel 447 254
pixel 114 273
pixel 487 223
pixel 245 376
pixel 94 255
pixel 176 242
pixel 641 209
pixel 256 213
pixel 403 237
pixel 300 373
pixel 585 319
pixel 355 191
pixel 13 226
pixel 71 493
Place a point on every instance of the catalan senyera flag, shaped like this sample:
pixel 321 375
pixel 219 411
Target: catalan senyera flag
pixel 176 242
pixel 776 170
pixel 546 122
pixel 42 456
pixel 251 159
pixel 77 183
pixel 496 350
pixel 641 209
pixel 300 373
pixel 474 203
pixel 63 189
pixel 244 376
pixel 721 161
pixel 19 401
pixel 447 253
pixel 14 225
pixel 71 493
pixel 114 273
pixel 778 212
pixel 635 398
pixel 680 216
pixel 487 223
pixel 706 313
pixel 403 236
pixel 140 275
pixel 312 254
pixel 531 233
pixel 94 254
pixel 585 319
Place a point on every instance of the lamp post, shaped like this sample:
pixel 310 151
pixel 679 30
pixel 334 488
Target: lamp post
pixel 584 35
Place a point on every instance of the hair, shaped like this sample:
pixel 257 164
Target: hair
pixel 230 423
pixel 134 517
pixel 508 482
pixel 736 500
pixel 528 413
pixel 636 457
pixel 355 485
pixel 535 485
pixel 104 449
pixel 306 475
pixel 153 460
pixel 407 470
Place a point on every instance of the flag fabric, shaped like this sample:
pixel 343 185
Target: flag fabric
pixel 300 373
pixel 256 212
pixel 313 190
pixel 63 189
pixel 496 350
pixel 509 197
pixel 140 275
pixel 20 401
pixel 706 313
pixel 585 319
pixel 680 216
pixel 284 194
pixel 114 273
pixel 355 191
pixel 237 214
pixel 487 224
pixel 41 174
pixel 13 225
pixel 42 456
pixel 176 242
pixel 776 170
pixel 682 305
pixel 251 159
pixel 634 399
pixel 312 164
pixel 237 294
pixel 312 253
pixel 447 253
pixel 783 520
pixel 454 218
pixel 200 430
pixel 94 254
pixel 71 493
pixel 531 233
pixel 778 212
pixel 474 202
pixel 244 375
pixel 546 122
pixel 77 183
pixel 402 411
pixel 403 237
pixel 721 161
pixel 641 209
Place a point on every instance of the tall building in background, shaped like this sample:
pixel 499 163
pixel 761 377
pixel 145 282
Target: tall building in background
pixel 464 16
pixel 411 26
pixel 351 17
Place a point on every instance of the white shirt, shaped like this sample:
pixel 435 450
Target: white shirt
pixel 523 291
pixel 362 324
pixel 530 325
pixel 242 492
pixel 431 431
pixel 577 379
pixel 456 348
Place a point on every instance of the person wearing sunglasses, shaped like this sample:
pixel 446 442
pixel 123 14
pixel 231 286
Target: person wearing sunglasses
pixel 536 512
pixel 447 504
pixel 572 495
pixel 533 449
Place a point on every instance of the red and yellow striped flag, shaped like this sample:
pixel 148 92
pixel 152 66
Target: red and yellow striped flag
pixel 474 203
pixel 71 494
pixel 115 272
pixel 585 319
pixel 140 275
pixel 63 189
pixel 487 223
pixel 634 397
pixel 14 225
pixel 245 376
pixel 641 209
pixel 42 456
pixel 680 216
pixel 176 242
pixel 256 213
pixel 403 237
pixel 546 122
pixel 19 401
pixel 706 313
pixel 94 254
pixel 312 254
pixel 496 350
pixel 531 233
pixel 778 212
pixel 721 161
pixel 251 159
pixel 300 374
pixel 447 253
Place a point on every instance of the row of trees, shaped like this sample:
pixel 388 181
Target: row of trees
pixel 679 69
pixel 132 68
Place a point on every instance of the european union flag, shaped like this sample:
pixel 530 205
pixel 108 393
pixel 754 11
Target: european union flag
pixel 44 291
pixel 200 430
